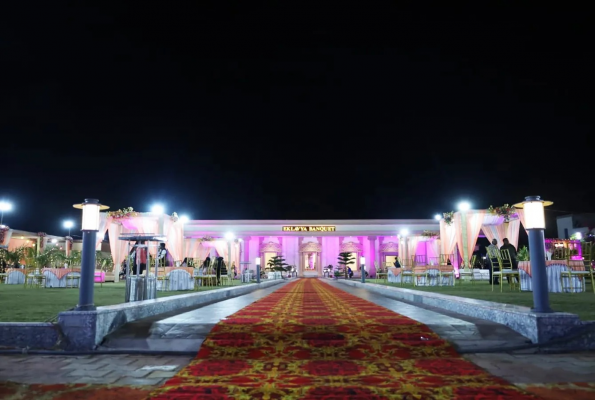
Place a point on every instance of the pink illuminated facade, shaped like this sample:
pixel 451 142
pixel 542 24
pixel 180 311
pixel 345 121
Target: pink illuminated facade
pixel 309 245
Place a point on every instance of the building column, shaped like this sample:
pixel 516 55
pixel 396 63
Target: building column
pixel 372 256
pixel 245 248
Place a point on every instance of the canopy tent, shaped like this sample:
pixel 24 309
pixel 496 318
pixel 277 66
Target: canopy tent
pixel 460 237
pixel 200 249
pixel 143 223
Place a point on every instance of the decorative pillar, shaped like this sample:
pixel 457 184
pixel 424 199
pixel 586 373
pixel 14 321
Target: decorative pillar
pixel 41 241
pixel 464 249
pixel 371 258
pixel 68 246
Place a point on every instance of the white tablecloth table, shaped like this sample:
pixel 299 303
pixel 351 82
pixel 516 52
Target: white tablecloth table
pixel 552 270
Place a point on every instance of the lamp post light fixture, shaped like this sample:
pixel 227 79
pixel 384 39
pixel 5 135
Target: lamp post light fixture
pixel 4 206
pixel 184 219
pixel 158 209
pixel 464 206
pixel 89 226
pixel 257 262
pixel 362 262
pixel 535 225
pixel 437 217
pixel 68 225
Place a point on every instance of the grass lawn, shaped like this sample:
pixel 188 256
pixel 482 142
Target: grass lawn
pixel 18 304
pixel 582 304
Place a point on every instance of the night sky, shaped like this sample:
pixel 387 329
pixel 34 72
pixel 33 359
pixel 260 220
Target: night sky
pixel 224 112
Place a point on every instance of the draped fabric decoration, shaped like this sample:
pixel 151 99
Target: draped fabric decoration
pixel 118 248
pixel 432 248
pixel 174 232
pixel 512 232
pixel 412 242
pixel 467 237
pixel 191 248
pixel 521 213
pixel 498 229
pixel 448 238
pixel 104 222
pixel 144 224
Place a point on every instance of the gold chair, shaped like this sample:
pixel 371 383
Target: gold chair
pixel 570 275
pixel 381 273
pixel 163 278
pixel 406 271
pixel 34 278
pixel 446 269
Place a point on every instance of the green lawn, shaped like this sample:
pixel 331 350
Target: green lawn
pixel 18 304
pixel 582 304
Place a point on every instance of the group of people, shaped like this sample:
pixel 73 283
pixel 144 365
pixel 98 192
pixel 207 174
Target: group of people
pixel 137 259
pixel 493 249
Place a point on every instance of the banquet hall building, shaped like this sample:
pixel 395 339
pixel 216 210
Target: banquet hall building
pixel 309 245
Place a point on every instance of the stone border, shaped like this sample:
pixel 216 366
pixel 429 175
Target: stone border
pixel 84 330
pixel 539 328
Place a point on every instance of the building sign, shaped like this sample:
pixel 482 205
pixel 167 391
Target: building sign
pixel 309 229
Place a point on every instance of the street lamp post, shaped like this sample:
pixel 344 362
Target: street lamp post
pixel 89 226
pixel 68 225
pixel 535 225
pixel 257 262
pixel 362 262
pixel 4 206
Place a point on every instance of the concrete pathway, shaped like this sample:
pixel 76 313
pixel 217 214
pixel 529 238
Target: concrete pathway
pixel 187 330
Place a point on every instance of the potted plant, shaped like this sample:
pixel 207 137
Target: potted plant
pixel 277 263
pixel 337 273
pixel 345 259
pixel 523 254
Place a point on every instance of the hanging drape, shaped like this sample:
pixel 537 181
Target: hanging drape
pixel 512 232
pixel 521 214
pixel 221 248
pixel 174 232
pixel 448 237
pixel 412 242
pixel 143 224
pixel 509 230
pixel 104 222
pixel 118 248
pixel 432 249
pixel 473 223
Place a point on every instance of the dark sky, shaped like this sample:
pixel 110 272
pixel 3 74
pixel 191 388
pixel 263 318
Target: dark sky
pixel 226 112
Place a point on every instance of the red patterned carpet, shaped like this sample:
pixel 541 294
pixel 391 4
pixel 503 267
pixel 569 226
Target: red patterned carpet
pixel 309 340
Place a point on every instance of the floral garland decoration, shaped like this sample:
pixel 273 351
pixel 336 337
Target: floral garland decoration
pixel 174 217
pixel 448 217
pixel 429 234
pixel 123 213
pixel 42 234
pixel 3 230
pixel 506 211
pixel 206 239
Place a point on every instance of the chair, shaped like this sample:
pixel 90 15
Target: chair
pixel 447 270
pixel 508 270
pixel 163 278
pixel 34 278
pixel 416 272
pixel 381 273
pixel 571 276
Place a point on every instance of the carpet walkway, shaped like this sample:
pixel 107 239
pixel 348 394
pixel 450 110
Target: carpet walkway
pixel 309 340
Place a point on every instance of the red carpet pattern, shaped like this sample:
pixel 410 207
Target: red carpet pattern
pixel 309 340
